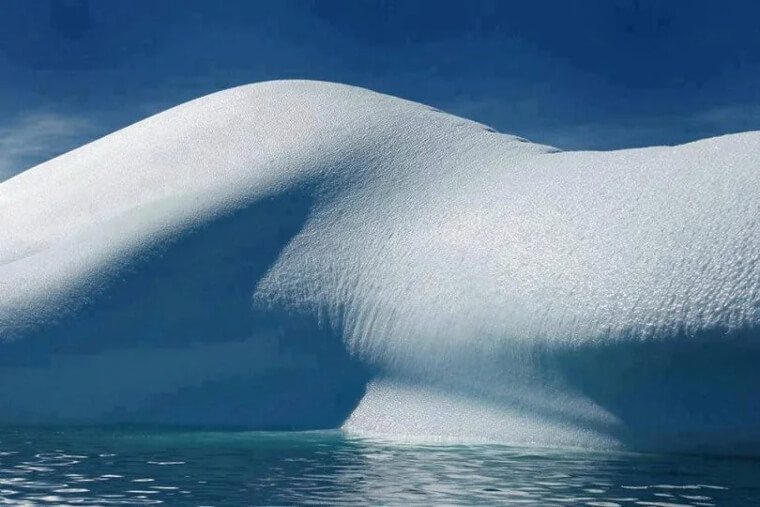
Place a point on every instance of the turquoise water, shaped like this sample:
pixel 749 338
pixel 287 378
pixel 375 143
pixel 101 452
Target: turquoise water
pixel 152 467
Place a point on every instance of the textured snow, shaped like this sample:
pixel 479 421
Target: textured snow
pixel 259 256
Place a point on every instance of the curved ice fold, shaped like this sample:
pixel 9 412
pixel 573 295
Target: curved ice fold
pixel 259 256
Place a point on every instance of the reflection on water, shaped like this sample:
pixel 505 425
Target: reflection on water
pixel 141 467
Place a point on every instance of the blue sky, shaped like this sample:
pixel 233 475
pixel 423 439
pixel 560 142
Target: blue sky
pixel 595 74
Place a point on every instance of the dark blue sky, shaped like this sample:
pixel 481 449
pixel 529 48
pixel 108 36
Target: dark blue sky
pixel 596 74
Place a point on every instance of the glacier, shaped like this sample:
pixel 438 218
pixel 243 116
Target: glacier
pixel 305 255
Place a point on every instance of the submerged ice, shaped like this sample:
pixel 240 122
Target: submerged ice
pixel 295 255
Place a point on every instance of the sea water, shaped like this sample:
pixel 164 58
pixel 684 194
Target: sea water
pixel 139 466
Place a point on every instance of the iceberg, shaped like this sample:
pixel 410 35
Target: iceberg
pixel 305 255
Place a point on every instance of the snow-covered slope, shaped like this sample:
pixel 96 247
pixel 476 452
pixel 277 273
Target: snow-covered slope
pixel 308 255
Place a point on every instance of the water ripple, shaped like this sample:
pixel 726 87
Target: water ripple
pixel 108 467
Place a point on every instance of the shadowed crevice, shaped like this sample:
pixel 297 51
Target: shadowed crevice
pixel 175 339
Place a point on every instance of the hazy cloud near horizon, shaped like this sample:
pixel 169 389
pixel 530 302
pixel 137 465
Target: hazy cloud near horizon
pixel 36 137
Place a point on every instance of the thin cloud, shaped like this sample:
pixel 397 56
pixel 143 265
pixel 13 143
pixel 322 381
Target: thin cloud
pixel 36 137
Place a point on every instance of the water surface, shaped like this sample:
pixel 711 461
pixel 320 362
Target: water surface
pixel 150 467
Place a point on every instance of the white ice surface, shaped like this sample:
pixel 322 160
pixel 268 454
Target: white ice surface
pixel 256 257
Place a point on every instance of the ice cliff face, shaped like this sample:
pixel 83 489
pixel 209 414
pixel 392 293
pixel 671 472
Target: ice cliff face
pixel 302 254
